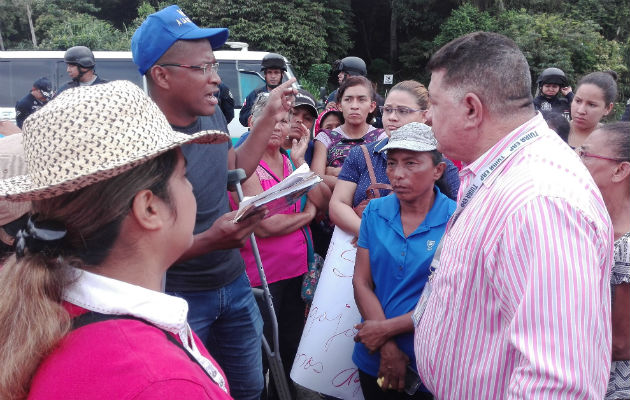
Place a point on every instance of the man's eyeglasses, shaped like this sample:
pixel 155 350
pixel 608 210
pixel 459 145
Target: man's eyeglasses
pixel 584 154
pixel 213 67
pixel 400 111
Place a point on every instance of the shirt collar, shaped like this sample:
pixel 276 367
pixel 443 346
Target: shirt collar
pixel 476 166
pixel 379 145
pixel 438 215
pixel 110 296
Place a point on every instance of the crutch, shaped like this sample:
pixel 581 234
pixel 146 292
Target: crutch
pixel 235 177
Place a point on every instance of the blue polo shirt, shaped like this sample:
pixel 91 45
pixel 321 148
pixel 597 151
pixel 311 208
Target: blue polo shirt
pixel 399 264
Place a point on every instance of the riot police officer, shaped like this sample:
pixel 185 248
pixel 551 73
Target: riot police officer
pixel 552 82
pixel 273 67
pixel 80 65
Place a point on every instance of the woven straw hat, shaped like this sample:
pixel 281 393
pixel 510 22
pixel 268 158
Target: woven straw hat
pixel 92 133
pixel 12 164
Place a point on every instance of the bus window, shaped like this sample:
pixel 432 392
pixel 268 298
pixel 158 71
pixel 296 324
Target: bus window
pixel 227 72
pixel 17 77
pixel 249 81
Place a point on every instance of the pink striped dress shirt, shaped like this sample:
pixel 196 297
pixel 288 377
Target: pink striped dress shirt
pixel 520 307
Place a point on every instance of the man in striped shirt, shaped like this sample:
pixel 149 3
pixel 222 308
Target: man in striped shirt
pixel 520 302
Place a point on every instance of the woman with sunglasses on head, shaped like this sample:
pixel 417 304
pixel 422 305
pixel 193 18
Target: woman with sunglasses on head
pixel 406 102
pixel 594 99
pixel 606 154
pixel 82 312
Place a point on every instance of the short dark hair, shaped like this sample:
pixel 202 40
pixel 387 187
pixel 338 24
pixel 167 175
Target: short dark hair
pixel 606 81
pixel 558 123
pixel 489 65
pixel 618 138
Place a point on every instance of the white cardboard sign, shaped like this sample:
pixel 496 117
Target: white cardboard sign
pixel 323 362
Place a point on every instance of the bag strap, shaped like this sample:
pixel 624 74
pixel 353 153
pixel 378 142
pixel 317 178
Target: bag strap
pixel 92 317
pixel 370 167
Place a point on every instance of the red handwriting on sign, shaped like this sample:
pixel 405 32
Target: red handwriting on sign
pixel 351 333
pixel 305 361
pixel 316 317
pixel 349 255
pixel 339 273
pixel 348 377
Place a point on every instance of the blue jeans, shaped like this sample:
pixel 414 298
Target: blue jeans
pixel 228 322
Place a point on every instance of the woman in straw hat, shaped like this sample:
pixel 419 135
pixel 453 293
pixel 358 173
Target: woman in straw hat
pixel 397 240
pixel 82 314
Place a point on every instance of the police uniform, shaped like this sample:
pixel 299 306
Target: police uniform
pixel 73 84
pixel 25 107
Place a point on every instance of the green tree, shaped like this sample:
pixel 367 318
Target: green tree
pixel 575 46
pixel 463 20
pixel 82 29
pixel 298 30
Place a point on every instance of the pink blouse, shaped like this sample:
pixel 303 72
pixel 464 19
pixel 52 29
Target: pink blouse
pixel 285 256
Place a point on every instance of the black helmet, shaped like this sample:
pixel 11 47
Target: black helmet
pixel 79 55
pixel 352 66
pixel 273 61
pixel 553 75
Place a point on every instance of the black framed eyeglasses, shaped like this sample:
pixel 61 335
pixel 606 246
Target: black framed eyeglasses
pixel 584 154
pixel 400 111
pixel 213 67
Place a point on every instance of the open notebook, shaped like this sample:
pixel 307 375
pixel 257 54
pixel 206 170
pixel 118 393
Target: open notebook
pixel 281 196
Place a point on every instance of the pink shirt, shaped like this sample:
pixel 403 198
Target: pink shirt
pixel 520 307
pixel 127 359
pixel 285 256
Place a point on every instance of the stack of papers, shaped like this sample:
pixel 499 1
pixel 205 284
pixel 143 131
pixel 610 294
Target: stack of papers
pixel 281 196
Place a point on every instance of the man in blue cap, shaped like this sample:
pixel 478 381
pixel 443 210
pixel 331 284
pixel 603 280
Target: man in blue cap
pixel 177 58
pixel 39 95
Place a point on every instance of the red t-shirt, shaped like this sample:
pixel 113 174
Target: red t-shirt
pixel 122 359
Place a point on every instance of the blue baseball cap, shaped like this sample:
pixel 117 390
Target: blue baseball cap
pixel 163 28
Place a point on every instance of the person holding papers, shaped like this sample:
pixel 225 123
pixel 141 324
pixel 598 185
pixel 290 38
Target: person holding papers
pixel 282 243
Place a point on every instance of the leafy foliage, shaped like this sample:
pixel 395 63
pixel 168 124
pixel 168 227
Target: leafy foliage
pixel 81 29
pixel 463 20
pixel 297 30
pixel 578 36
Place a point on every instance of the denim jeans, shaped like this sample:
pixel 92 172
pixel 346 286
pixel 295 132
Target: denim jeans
pixel 228 322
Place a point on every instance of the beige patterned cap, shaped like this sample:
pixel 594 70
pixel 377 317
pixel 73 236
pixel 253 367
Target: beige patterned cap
pixel 91 133
pixel 11 164
pixel 413 136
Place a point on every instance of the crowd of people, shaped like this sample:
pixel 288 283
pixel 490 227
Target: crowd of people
pixel 491 228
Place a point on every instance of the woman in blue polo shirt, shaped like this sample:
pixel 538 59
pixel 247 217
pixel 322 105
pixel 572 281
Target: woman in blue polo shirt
pixel 397 239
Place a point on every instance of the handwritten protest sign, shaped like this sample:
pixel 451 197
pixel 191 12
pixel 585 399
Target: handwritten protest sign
pixel 324 359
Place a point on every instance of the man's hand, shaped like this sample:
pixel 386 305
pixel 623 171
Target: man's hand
pixel 225 234
pixel 393 367
pixel 373 334
pixel 281 99
pixel 565 90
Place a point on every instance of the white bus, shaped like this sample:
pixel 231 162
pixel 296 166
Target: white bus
pixel 239 70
